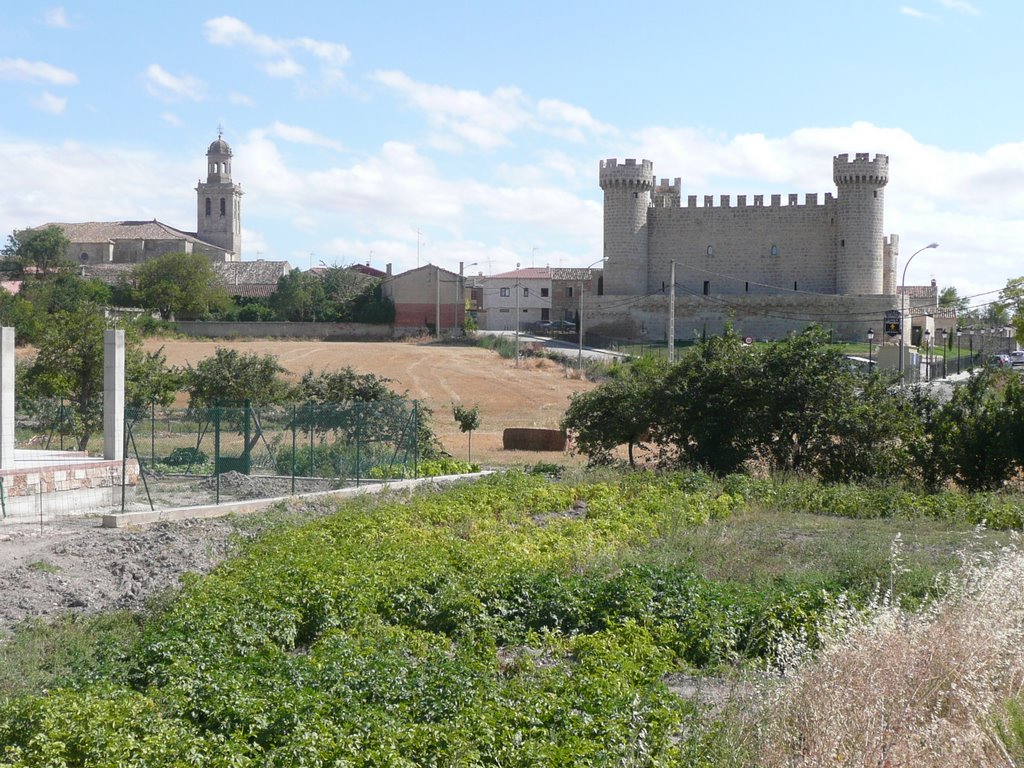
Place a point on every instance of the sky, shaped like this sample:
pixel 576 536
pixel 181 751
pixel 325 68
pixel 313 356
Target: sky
pixel 447 132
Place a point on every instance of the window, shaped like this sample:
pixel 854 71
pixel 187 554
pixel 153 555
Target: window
pixel 711 250
pixel 746 287
pixel 526 293
pixel 794 285
pixel 544 294
pixel 842 243
pixel 707 287
pixel 568 291
pixel 545 314
pixel 83 256
pixel 775 250
pixel 223 207
pixel 208 206
pixel 505 293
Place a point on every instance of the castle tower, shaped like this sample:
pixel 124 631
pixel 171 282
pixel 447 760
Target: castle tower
pixel 219 203
pixel 861 184
pixel 627 192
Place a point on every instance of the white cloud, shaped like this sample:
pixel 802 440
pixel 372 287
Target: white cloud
pixel 915 13
pixel 487 121
pixel 961 5
pixel 229 32
pixel 283 68
pixel 240 99
pixel 47 102
pixel 56 17
pixel 171 119
pixel 162 84
pixel 299 135
pixel 35 72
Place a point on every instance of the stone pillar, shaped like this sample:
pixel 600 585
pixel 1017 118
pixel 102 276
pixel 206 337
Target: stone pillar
pixel 6 398
pixel 113 395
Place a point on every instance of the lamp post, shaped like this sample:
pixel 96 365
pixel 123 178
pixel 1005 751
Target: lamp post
pixel 871 338
pixel 927 354
pixel 903 303
pixel 970 334
pixel 981 335
pixel 945 337
pixel 959 333
pixel 583 277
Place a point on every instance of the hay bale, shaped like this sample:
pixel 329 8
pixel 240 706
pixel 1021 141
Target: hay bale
pixel 523 439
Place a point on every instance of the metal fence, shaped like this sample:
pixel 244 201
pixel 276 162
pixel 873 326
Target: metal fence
pixel 239 451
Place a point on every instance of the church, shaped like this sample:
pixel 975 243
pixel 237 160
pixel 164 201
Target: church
pixel 218 233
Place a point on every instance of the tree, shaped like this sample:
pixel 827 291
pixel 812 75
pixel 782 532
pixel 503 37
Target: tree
pixel 621 411
pixel 69 365
pixel 468 419
pixel 40 252
pixel 298 297
pixel 182 285
pixel 1013 296
pixel 343 386
pixel 949 297
pixel 229 375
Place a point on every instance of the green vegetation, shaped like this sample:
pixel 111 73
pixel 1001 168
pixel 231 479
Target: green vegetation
pixel 511 621
pixel 795 406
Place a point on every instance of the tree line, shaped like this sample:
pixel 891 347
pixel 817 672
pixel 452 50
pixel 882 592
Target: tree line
pixel 181 286
pixel 796 405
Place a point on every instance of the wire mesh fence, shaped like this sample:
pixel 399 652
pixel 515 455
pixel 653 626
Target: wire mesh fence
pixel 238 451
pixel 201 456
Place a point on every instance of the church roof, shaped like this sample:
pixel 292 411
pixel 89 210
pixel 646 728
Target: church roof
pixel 219 147
pixel 105 231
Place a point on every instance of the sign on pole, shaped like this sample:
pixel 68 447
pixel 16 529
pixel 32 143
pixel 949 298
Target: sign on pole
pixel 893 322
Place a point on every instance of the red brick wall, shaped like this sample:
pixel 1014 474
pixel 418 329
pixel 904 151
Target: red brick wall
pixel 412 315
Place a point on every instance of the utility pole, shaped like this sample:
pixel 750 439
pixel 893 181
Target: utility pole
pixel 517 314
pixel 670 333
pixel 437 304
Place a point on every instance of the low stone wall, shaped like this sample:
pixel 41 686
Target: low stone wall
pixel 45 492
pixel 523 439
pixel 280 329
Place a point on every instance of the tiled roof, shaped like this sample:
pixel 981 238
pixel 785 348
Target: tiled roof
pixel 109 274
pixel 105 231
pixel 549 273
pixel 260 272
pixel 527 273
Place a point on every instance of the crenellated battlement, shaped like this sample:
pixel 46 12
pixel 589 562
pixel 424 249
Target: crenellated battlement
pixel 775 201
pixel 863 169
pixel 627 174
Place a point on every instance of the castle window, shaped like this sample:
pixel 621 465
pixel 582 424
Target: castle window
pixel 711 250
pixel 794 285
pixel 568 291
pixel 707 287
pixel 84 256
pixel 875 193
pixel 775 250
pixel 208 206
pixel 842 243
pixel 223 208
pixel 746 287
pixel 636 194
pixel 505 293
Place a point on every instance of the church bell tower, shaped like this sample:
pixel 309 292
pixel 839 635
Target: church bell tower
pixel 219 220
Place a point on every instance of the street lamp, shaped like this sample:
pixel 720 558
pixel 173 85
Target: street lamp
pixel 903 302
pixel 970 334
pixel 945 338
pixel 927 354
pixel 871 338
pixel 959 333
pixel 579 330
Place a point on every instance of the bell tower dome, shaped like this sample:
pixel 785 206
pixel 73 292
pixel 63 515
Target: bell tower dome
pixel 219 203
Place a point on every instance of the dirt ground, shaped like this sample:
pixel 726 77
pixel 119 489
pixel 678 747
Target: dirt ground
pixel 73 565
pixel 535 394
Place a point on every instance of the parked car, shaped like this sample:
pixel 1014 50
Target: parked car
pixel 1017 358
pixel 999 361
pixel 563 325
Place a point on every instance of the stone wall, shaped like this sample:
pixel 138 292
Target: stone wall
pixel 281 329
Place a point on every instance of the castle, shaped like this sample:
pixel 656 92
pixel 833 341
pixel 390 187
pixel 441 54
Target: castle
pixel 218 232
pixel 769 269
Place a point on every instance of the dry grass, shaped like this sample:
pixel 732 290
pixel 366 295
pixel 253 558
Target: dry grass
pixel 908 690
pixel 535 394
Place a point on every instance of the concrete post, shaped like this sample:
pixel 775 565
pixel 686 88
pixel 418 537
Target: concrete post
pixel 6 398
pixel 113 395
